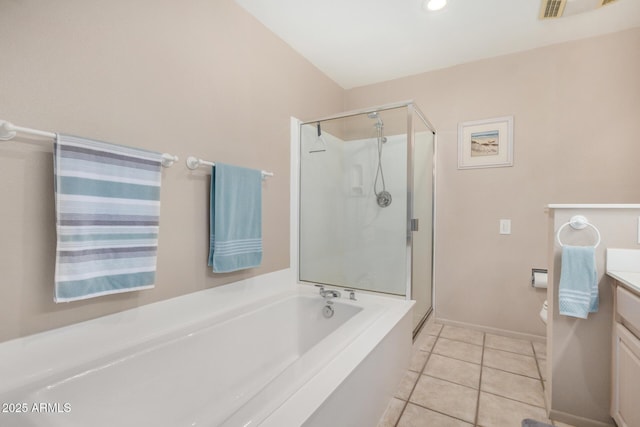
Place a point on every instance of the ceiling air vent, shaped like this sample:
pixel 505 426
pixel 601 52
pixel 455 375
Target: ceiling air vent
pixel 552 8
pixel 557 8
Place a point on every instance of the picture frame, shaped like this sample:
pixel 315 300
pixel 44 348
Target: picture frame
pixel 485 143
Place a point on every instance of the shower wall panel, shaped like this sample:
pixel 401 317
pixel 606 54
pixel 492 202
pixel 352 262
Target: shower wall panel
pixel 346 238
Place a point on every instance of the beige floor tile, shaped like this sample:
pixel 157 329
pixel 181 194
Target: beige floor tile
pixel 559 424
pixel 509 344
pixel 511 362
pixel 425 342
pixel 445 397
pixel 458 350
pixel 496 411
pixel 541 349
pixel 417 416
pixel 454 370
pixel 431 320
pixel 406 385
pixel 470 336
pixel 513 386
pixel 392 413
pixel 418 359
pixel 432 328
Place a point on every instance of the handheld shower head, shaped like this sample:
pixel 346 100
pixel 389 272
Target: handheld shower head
pixel 376 116
pixel 383 197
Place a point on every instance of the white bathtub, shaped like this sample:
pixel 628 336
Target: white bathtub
pixel 257 352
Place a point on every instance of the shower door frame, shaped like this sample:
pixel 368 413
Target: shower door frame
pixel 412 110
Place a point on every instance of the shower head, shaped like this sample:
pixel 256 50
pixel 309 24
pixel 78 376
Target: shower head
pixel 374 115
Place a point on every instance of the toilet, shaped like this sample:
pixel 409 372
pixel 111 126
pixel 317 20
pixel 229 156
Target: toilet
pixel 543 312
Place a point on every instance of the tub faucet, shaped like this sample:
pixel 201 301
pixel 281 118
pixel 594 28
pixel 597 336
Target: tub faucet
pixel 331 294
pixel 328 293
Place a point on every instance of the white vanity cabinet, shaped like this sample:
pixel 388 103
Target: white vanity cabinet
pixel 625 379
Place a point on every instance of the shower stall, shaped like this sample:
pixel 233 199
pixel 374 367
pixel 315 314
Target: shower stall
pixel 366 203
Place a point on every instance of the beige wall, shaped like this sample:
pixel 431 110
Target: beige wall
pixel 190 78
pixel 576 107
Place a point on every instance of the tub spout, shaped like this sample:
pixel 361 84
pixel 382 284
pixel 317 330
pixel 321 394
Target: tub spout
pixel 328 293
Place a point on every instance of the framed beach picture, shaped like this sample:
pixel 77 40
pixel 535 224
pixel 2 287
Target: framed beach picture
pixel 485 143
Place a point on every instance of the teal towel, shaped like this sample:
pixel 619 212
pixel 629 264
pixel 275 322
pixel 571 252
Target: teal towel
pixel 235 227
pixel 107 217
pixel 578 293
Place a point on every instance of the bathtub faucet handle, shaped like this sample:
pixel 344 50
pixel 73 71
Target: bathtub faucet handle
pixel 321 289
pixel 352 294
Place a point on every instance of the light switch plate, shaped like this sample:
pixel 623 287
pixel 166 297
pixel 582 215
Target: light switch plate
pixel 505 226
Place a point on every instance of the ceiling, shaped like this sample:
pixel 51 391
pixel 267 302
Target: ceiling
pixel 360 42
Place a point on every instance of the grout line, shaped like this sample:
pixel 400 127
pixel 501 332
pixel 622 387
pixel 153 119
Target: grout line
pixel 538 365
pixel 475 420
pixel 512 352
pixel 544 393
pixel 442 413
pixel 513 400
pixel 516 373
pixel 455 358
pixel 450 382
pixel 464 342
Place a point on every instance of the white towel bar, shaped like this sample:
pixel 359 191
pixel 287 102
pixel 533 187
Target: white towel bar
pixel 9 130
pixel 194 163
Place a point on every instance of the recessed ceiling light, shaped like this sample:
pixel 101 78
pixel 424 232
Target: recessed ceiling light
pixel 433 5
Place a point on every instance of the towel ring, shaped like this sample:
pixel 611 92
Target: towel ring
pixel 578 222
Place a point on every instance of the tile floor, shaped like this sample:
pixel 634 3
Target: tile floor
pixel 461 377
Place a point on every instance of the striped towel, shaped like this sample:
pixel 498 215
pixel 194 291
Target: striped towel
pixel 235 228
pixel 107 216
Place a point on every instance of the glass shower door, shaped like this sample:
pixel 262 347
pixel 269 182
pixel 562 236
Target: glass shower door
pixel 422 236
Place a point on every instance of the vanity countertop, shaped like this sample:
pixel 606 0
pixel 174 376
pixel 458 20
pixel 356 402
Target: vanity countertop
pixel 623 265
pixel 629 280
